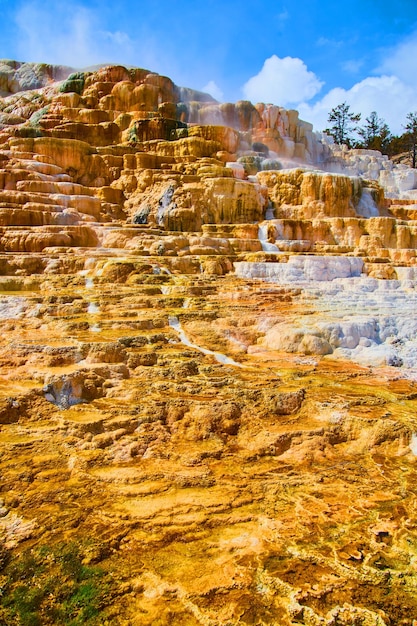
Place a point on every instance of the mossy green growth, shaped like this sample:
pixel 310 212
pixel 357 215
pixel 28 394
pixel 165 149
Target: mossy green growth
pixel 28 131
pixel 74 83
pixel 36 117
pixel 53 585
pixel 252 164
pixel 271 164
pixel 33 128
pixel 132 135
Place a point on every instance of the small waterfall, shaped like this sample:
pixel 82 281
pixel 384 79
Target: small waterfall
pixel 269 215
pixel 164 202
pixel 367 206
pixel 93 308
pixel 157 270
pixel 263 238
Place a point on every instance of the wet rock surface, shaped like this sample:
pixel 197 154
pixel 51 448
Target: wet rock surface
pixel 199 429
pixel 282 490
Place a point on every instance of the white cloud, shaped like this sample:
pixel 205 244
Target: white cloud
pixel 67 34
pixel 352 67
pixel 281 20
pixel 391 92
pixel 283 82
pixel 329 43
pixel 401 60
pixel 214 90
pixel 387 95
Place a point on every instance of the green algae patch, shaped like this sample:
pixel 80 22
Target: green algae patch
pixel 54 585
pixel 74 83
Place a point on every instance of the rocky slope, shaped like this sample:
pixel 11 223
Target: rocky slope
pixel 207 363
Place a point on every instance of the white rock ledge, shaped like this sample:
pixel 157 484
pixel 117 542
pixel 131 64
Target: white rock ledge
pixel 302 268
pixel 350 316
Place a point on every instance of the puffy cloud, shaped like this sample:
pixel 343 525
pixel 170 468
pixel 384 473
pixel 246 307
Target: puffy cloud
pixel 214 90
pixel 391 92
pixel 283 82
pixel 387 95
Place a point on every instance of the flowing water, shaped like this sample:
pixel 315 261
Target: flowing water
pixel 221 358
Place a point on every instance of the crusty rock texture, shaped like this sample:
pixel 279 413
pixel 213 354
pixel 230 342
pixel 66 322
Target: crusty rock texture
pixel 208 363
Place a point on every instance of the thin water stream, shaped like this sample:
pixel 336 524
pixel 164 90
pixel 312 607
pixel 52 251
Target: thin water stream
pixel 263 238
pixel 221 358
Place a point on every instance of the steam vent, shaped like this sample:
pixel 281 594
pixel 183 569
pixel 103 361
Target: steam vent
pixel 208 361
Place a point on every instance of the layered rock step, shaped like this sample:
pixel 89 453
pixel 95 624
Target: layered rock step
pixel 200 364
pixel 37 193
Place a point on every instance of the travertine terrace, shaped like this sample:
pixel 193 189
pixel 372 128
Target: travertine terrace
pixel 207 361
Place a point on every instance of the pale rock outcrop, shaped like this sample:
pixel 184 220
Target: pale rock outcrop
pixel 187 206
pixel 16 76
pixel 227 137
pixel 398 180
pixel 303 269
pixel 304 194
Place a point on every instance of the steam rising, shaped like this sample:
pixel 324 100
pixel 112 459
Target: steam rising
pixel 68 34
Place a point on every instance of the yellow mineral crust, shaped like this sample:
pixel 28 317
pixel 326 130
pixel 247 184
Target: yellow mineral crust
pixel 312 194
pixel 207 380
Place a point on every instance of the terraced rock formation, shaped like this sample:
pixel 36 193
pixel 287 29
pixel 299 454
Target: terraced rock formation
pixel 207 364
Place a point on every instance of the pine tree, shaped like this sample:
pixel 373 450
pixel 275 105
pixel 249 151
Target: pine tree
pixel 375 133
pixel 411 134
pixel 342 119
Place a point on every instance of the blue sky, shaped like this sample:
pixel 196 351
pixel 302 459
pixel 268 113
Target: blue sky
pixel 303 54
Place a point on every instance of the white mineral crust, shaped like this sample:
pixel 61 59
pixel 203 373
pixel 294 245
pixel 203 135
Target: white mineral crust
pixel 349 315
